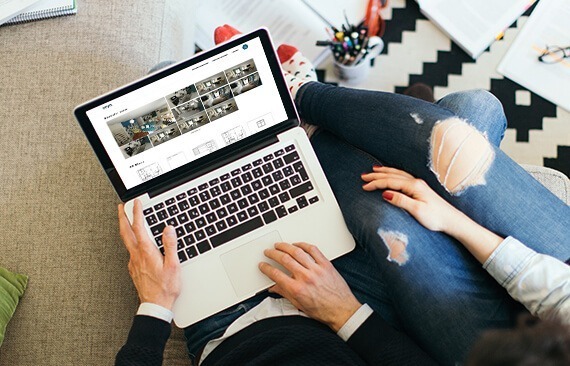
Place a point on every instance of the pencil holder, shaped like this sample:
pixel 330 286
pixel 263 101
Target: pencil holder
pixel 354 73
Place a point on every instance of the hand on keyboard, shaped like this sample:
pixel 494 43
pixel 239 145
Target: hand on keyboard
pixel 314 286
pixel 156 278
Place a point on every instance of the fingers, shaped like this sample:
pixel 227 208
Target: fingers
pixel 388 170
pixel 401 200
pixel 383 172
pixel 297 253
pixel 285 259
pixel 170 247
pixel 281 279
pixel 138 223
pixel 125 229
pixel 314 252
pixel 396 183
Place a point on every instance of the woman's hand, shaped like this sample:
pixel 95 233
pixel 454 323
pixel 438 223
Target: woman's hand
pixel 432 211
pixel 314 286
pixel 414 196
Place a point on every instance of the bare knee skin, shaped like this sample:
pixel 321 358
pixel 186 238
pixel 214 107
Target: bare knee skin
pixel 460 155
pixel 396 243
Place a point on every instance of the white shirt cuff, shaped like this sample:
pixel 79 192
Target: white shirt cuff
pixel 507 260
pixel 355 321
pixel 156 311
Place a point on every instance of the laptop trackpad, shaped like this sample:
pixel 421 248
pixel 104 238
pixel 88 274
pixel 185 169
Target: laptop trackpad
pixel 241 264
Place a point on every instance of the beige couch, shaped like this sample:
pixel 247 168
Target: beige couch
pixel 58 219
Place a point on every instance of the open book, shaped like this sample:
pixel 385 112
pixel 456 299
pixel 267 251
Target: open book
pixel 473 25
pixel 297 22
pixel 548 25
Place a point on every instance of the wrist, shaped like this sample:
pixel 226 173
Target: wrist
pixel 478 240
pixel 344 314
pixel 455 223
pixel 165 302
pixel 155 311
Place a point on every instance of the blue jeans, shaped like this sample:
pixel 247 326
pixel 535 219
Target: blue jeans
pixel 441 296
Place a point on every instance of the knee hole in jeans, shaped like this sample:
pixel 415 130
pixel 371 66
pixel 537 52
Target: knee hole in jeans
pixel 397 244
pixel 460 155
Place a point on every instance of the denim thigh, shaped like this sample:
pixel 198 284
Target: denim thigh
pixel 433 289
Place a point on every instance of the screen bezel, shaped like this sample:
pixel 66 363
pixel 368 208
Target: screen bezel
pixel 201 165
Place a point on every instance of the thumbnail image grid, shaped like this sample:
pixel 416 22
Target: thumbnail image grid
pixel 240 70
pixel 185 110
pixel 246 84
pixel 139 134
pixel 182 96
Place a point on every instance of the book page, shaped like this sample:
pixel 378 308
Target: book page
pixel 333 11
pixel 288 21
pixel 11 8
pixel 474 25
pixel 547 25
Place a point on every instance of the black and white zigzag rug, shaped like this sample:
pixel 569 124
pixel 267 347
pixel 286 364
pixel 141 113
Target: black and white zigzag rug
pixel 417 51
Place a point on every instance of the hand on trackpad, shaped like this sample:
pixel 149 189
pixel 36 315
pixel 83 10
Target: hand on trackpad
pixel 241 264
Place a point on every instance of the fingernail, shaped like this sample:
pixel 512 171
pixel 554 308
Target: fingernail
pixel 387 196
pixel 170 230
pixel 376 166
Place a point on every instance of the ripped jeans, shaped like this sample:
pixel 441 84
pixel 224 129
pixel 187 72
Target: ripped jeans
pixel 433 289
pixel 420 281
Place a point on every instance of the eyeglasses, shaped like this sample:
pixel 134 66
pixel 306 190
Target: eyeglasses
pixel 554 54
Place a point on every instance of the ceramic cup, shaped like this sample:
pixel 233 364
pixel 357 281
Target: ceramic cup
pixel 353 74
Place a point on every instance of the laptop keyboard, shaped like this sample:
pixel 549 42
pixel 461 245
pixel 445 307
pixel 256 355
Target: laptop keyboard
pixel 234 204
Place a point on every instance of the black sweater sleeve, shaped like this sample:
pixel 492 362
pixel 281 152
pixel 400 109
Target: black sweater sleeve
pixel 146 342
pixel 378 343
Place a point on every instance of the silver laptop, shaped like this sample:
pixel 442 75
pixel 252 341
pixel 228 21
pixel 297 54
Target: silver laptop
pixel 212 146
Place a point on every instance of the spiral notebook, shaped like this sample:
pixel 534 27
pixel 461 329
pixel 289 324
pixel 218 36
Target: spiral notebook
pixel 45 9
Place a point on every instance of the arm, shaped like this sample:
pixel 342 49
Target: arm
pixel 146 342
pixel 432 211
pixel 157 281
pixel 377 343
pixel 315 287
pixel 524 273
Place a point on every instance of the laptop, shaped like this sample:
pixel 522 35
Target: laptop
pixel 212 146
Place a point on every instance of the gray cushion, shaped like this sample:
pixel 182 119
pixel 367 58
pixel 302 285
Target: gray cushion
pixel 555 181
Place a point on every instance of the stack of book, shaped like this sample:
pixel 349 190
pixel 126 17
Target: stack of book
pixel 21 11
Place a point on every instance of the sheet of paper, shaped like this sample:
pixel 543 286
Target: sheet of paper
pixel 332 11
pixel 288 21
pixel 11 8
pixel 473 25
pixel 548 25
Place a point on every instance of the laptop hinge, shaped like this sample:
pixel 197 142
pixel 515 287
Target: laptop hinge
pixel 222 161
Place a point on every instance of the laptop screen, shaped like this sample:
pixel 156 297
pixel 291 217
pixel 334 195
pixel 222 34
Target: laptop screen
pixel 189 114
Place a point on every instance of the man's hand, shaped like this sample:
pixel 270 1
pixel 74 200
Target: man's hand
pixel 413 195
pixel 314 286
pixel 156 278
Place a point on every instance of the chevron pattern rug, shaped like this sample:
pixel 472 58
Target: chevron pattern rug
pixel 417 51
